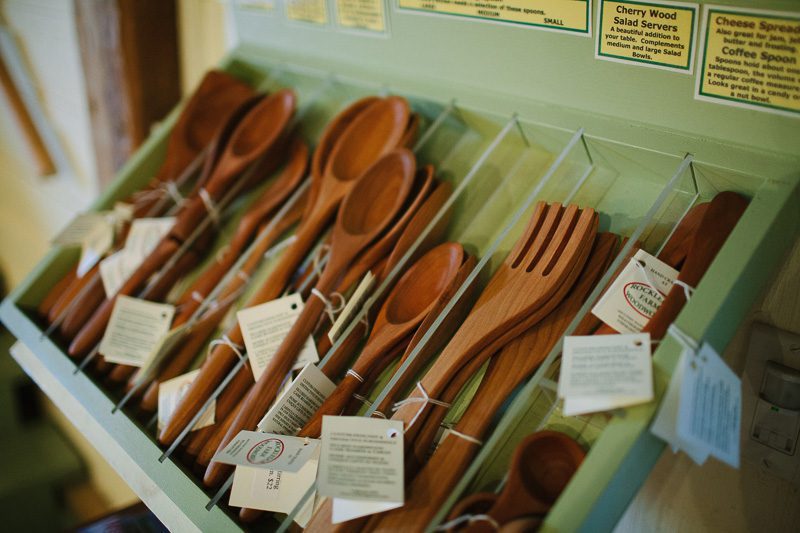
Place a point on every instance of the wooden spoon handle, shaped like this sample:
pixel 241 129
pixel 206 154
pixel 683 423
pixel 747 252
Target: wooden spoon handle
pixel 57 292
pixel 180 358
pixel 220 430
pixel 91 296
pixel 266 388
pixel 217 365
pixel 227 403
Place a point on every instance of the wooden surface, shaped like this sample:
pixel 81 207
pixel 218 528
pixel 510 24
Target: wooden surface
pixel 681 496
pixel 130 62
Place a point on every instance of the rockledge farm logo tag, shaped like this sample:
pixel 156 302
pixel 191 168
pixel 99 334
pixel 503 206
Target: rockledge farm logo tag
pixel 642 298
pixel 265 451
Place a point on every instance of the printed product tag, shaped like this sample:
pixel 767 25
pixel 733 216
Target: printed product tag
pixel 361 459
pixel 134 330
pixel 636 294
pixel 264 327
pixel 602 372
pixel 162 349
pixel 78 229
pixel 298 404
pixel 666 421
pixel 170 393
pixel 265 450
pixel 272 490
pixel 351 309
pixel 144 236
pixel 97 241
pixel 710 405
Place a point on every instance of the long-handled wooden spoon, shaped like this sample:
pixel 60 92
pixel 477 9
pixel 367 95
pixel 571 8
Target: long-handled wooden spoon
pixel 366 212
pixel 388 118
pixel 409 302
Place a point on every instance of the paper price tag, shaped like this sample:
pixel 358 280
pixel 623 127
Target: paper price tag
pixel 264 327
pixel 636 294
pixel 97 241
pixel 351 309
pixel 298 404
pixel 272 490
pixel 666 421
pixel 78 229
pixel 135 329
pixel 361 459
pixel 602 372
pixel 162 349
pixel 144 236
pixel 170 393
pixel 269 451
pixel 710 409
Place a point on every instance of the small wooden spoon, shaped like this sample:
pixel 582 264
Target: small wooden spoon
pixel 366 212
pixel 409 302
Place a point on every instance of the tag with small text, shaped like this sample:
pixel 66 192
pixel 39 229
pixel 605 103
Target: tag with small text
pixel 276 491
pixel 170 393
pixel 298 404
pixel 265 450
pixel 636 294
pixel 144 236
pixel 264 327
pixel 136 327
pixel 94 245
pixel 602 372
pixel 710 410
pixel 361 459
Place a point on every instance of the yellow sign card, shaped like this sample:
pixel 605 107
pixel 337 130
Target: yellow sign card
pixel 660 35
pixel 314 11
pixel 564 15
pixel 751 58
pixel 361 15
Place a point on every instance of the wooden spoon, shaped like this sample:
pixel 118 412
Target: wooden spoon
pixel 409 302
pixel 365 213
pixel 257 132
pixel 377 128
pixel 541 468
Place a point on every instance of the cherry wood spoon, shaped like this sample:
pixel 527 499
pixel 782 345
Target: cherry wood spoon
pixel 366 212
pixel 257 132
pixel 377 128
pixel 410 301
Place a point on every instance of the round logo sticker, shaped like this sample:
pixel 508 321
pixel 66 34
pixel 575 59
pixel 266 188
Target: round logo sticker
pixel 265 451
pixel 643 298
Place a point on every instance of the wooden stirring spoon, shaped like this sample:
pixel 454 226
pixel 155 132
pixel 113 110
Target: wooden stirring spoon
pixel 257 132
pixel 366 212
pixel 409 302
pixel 377 128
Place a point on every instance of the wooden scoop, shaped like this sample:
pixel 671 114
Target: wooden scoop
pixel 366 212
pixel 258 131
pixel 377 128
pixel 408 304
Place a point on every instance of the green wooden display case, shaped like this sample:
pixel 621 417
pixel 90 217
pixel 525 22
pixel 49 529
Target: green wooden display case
pixel 511 115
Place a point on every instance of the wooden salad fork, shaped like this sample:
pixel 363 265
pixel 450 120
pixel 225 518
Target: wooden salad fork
pixel 506 370
pixel 556 241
